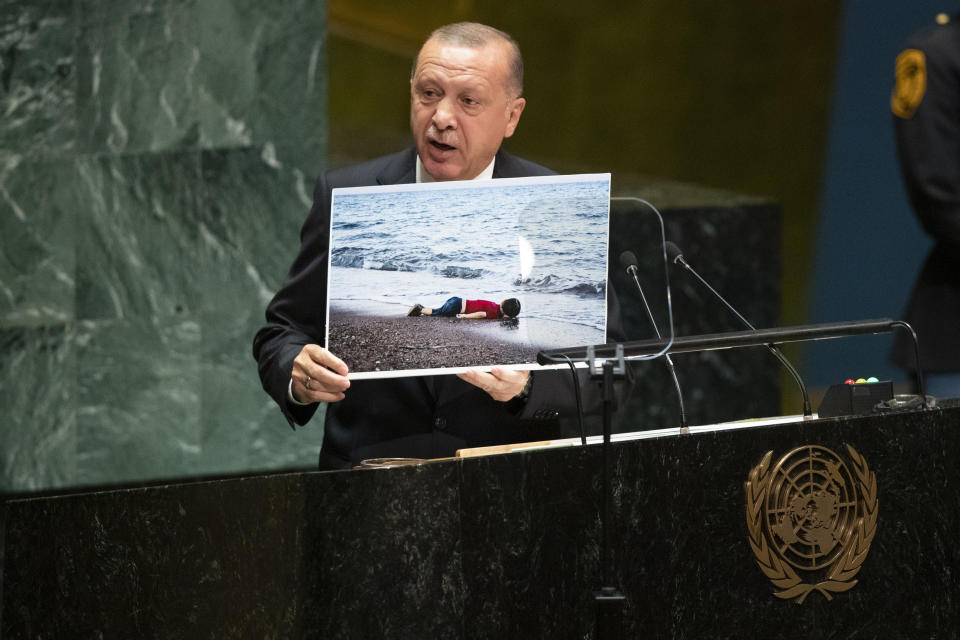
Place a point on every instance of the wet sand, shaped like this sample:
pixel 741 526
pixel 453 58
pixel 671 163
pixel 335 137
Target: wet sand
pixel 376 343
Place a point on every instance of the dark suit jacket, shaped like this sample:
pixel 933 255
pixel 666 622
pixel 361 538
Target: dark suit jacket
pixel 424 417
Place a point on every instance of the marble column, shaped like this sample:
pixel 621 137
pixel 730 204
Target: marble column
pixel 156 161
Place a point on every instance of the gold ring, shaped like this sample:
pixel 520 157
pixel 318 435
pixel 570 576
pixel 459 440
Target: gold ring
pixel 306 382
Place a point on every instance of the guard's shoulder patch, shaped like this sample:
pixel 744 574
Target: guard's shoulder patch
pixel 911 83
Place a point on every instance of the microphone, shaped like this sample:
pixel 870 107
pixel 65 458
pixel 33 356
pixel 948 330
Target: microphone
pixel 629 262
pixel 676 257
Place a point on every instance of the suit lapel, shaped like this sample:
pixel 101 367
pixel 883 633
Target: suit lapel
pixel 401 169
pixel 503 166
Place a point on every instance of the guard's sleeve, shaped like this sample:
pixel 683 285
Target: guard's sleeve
pixel 926 108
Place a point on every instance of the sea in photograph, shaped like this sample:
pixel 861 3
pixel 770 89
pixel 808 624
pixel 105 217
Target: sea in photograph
pixel 540 240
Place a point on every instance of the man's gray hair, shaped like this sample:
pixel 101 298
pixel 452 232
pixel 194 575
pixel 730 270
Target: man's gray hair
pixel 475 35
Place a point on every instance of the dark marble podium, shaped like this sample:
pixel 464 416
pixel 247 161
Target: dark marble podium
pixel 502 546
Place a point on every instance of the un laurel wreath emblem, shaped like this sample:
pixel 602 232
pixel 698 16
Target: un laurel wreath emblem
pixel 812 513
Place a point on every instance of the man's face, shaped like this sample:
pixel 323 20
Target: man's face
pixel 461 108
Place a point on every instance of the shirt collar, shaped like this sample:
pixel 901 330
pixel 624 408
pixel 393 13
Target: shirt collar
pixel 423 176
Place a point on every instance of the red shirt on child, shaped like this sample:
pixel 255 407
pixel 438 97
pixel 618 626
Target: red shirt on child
pixel 492 309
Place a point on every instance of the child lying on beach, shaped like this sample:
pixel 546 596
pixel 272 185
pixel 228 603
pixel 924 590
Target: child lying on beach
pixel 509 308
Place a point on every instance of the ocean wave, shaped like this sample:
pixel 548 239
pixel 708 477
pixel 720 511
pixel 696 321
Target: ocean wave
pixel 552 283
pixel 359 258
pixel 587 289
pixel 350 257
pixel 391 265
pixel 346 226
pixel 464 273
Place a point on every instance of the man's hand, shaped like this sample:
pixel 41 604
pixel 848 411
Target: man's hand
pixel 501 384
pixel 319 376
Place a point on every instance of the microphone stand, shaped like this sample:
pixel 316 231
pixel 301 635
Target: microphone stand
pixel 679 259
pixel 754 338
pixel 684 427
pixel 609 599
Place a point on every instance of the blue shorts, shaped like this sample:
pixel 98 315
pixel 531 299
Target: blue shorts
pixel 450 308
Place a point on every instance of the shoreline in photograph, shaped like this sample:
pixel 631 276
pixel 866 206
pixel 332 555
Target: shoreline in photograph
pixel 391 293
pixel 391 343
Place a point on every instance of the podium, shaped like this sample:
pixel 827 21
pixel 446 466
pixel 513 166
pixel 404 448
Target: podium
pixel 499 546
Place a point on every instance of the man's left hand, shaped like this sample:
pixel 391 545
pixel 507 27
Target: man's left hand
pixel 502 384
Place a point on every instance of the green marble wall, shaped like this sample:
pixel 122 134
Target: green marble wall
pixel 156 160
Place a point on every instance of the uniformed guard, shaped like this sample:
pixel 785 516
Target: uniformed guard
pixel 926 109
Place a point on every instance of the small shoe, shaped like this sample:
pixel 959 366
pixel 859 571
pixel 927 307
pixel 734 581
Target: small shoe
pixel 415 310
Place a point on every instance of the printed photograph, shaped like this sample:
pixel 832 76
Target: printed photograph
pixel 441 277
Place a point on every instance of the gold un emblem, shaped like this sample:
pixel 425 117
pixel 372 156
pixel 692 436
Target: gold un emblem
pixel 812 514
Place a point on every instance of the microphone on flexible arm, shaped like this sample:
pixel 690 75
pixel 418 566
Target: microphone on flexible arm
pixel 629 262
pixel 676 257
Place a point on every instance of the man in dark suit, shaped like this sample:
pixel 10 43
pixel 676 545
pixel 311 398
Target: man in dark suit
pixel 465 97
pixel 926 108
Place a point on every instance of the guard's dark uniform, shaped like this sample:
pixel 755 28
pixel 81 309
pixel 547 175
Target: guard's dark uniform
pixel 926 108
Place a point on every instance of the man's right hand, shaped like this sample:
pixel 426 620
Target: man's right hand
pixel 319 376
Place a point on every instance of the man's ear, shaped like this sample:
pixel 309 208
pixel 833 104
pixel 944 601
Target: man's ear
pixel 516 108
